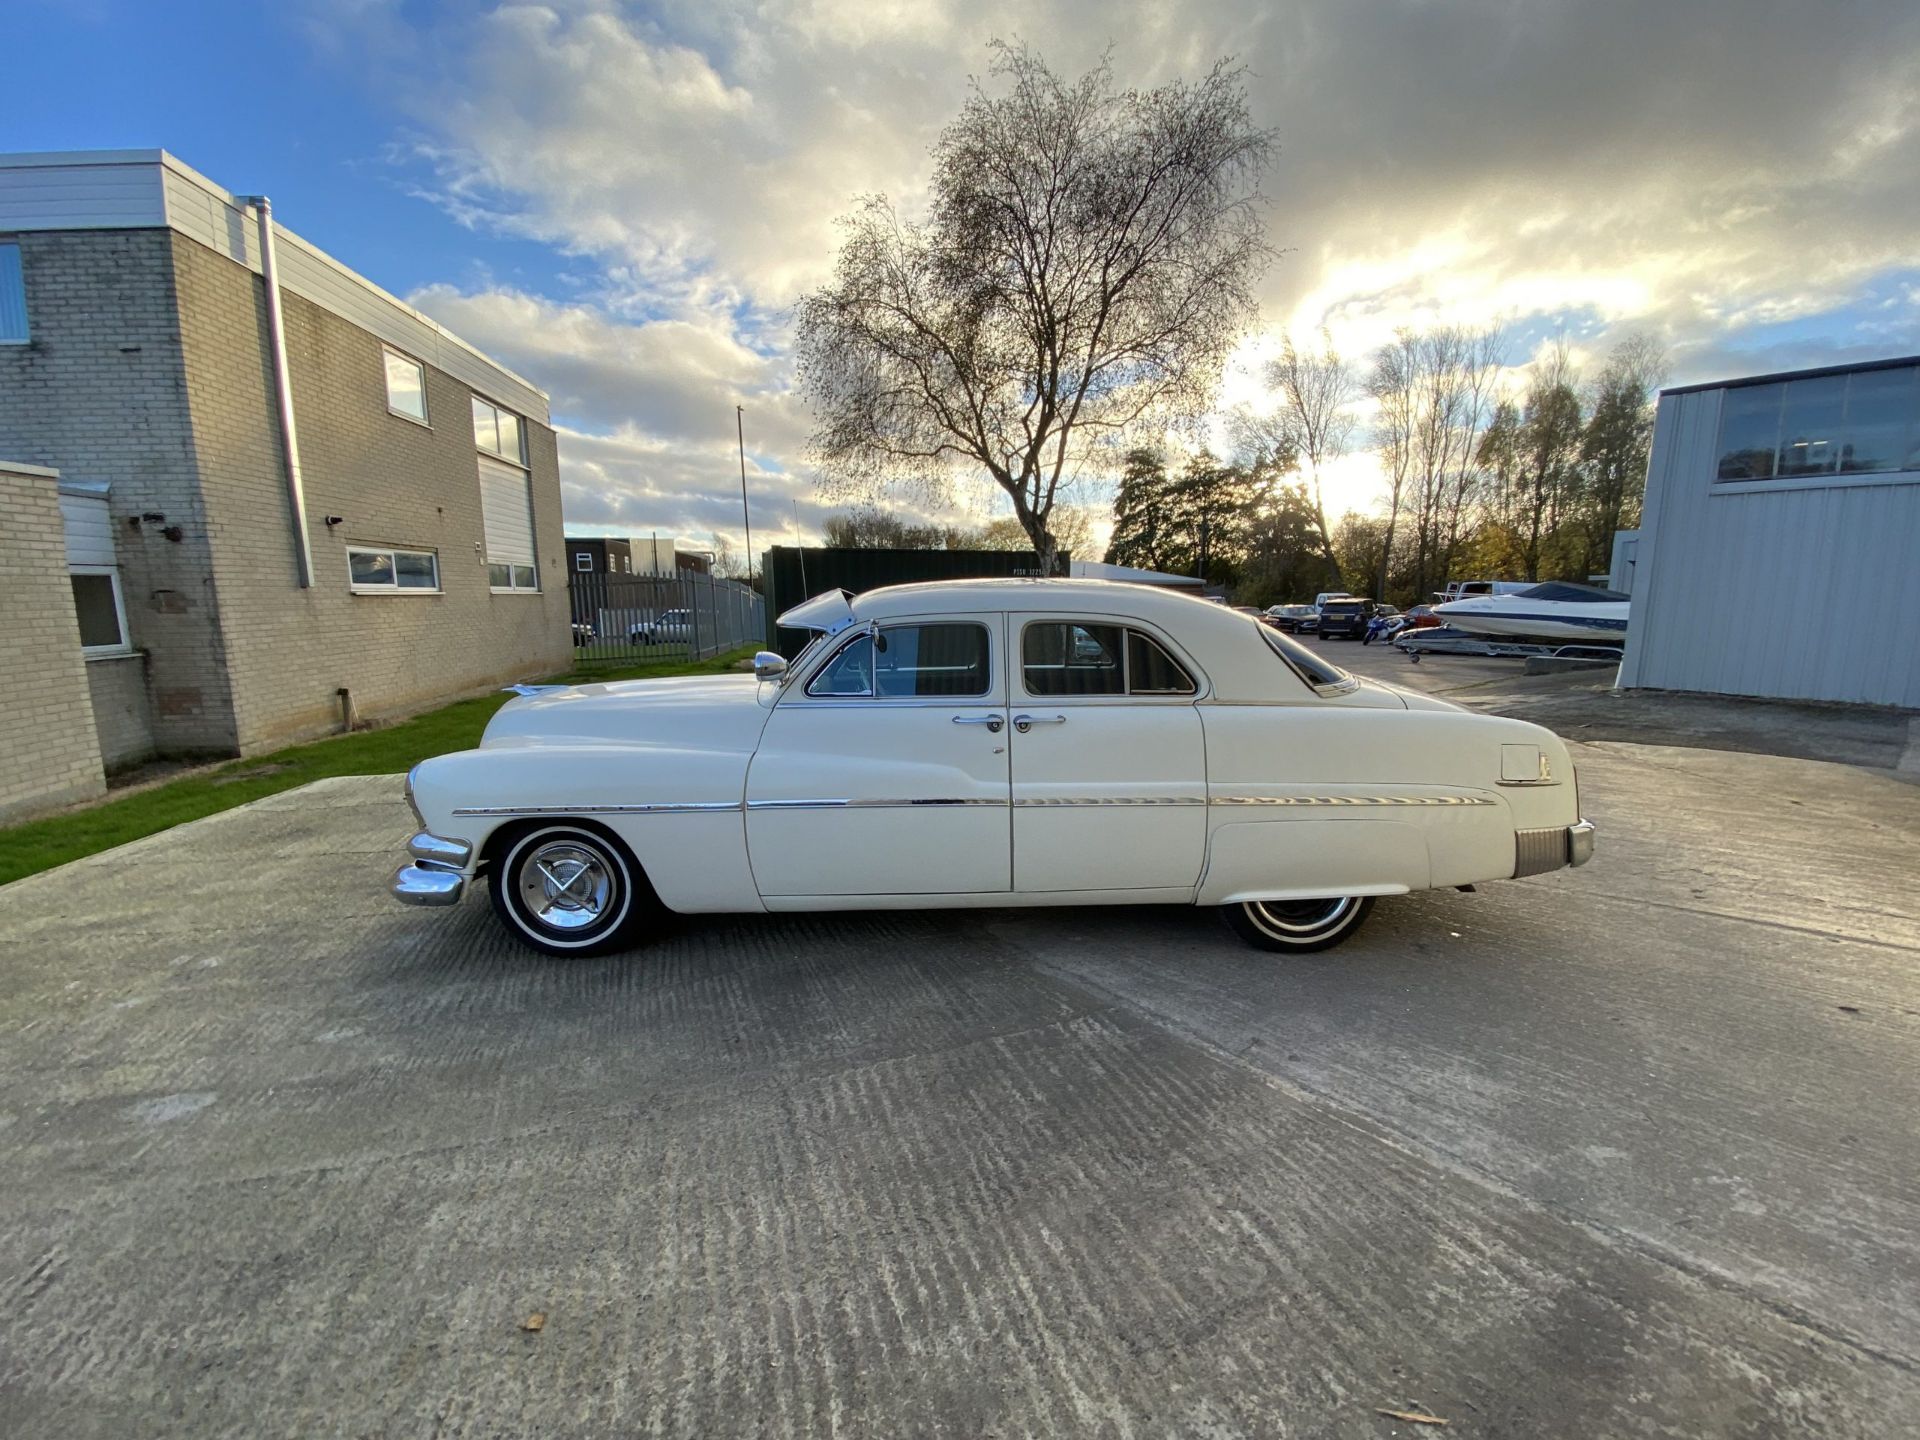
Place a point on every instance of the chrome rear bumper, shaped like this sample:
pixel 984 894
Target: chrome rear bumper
pixel 1580 842
pixel 1551 848
pixel 435 877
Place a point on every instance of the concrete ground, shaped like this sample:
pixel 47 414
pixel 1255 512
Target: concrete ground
pixel 1632 1150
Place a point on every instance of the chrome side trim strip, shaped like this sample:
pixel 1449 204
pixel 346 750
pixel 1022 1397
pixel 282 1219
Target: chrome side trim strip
pixel 1045 802
pixel 669 808
pixel 936 802
pixel 1231 799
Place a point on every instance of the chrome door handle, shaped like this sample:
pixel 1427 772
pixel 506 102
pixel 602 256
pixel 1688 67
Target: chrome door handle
pixel 992 722
pixel 1024 723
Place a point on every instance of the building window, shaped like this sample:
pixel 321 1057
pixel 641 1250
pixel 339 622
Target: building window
pixel 392 572
pixel 13 297
pixel 1863 422
pixel 101 610
pixel 499 432
pixel 583 561
pixel 406 386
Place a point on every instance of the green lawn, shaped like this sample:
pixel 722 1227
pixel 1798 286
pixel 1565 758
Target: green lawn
pixel 41 844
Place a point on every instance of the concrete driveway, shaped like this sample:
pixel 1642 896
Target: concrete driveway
pixel 1631 1150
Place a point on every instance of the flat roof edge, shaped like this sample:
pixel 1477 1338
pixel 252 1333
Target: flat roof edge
pixel 33 159
pixel 1814 373
pixel 166 160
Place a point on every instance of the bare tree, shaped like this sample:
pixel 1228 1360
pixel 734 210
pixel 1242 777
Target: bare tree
pixel 1089 258
pixel 1394 385
pixel 1312 421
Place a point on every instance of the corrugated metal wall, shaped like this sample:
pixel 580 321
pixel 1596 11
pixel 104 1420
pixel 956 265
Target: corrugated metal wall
pixel 1803 589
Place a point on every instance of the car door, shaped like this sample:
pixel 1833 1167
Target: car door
pixel 884 771
pixel 1109 758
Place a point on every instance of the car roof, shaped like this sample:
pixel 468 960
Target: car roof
pixel 1226 643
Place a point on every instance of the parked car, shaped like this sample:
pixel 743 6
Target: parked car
pixel 1345 619
pixel 1289 617
pixel 583 633
pixel 1326 595
pixel 671 627
pixel 1422 617
pixel 989 743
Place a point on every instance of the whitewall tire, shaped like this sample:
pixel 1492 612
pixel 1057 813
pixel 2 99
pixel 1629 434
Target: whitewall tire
pixel 1297 927
pixel 569 890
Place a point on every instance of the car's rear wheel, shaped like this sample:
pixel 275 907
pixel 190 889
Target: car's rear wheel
pixel 1296 927
pixel 569 890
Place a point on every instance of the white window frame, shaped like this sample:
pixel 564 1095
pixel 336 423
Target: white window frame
pixel 520 424
pixel 392 552
pixel 125 644
pixel 583 561
pixel 425 418
pixel 513 588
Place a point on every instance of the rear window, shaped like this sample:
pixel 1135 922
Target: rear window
pixel 1309 665
pixel 1342 607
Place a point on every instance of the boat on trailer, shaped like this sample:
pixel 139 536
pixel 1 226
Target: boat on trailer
pixel 1556 612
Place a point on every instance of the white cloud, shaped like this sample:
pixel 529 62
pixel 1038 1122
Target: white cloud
pixel 1702 169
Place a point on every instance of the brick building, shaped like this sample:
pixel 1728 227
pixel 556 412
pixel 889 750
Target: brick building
pixel 139 359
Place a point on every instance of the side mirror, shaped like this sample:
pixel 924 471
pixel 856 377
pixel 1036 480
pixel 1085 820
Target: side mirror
pixel 768 666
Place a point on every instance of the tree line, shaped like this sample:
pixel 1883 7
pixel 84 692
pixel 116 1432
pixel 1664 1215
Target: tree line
pixel 1480 477
pixel 867 527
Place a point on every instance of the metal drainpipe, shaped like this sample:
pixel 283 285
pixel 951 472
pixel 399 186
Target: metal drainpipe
pixel 283 389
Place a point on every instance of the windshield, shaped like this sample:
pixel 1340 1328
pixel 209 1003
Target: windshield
pixel 1322 674
pixel 1570 594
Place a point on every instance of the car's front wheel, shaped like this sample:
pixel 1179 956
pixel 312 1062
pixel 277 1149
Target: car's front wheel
pixel 1296 927
pixel 568 890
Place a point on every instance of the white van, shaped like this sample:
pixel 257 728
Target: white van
pixel 1326 595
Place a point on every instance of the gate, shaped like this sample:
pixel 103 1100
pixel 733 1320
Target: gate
pixel 691 615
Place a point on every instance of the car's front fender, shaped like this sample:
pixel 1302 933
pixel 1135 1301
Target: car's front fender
pixel 678 809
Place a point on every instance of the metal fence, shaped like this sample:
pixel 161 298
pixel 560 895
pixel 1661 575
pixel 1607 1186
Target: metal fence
pixel 620 619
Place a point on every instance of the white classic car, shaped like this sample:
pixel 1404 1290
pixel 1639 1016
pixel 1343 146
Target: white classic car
pixel 990 743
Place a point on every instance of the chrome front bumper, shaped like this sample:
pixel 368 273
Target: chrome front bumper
pixel 1551 848
pixel 436 875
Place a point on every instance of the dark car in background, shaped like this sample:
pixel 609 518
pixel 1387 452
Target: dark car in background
pixel 1345 618
pixel 1292 618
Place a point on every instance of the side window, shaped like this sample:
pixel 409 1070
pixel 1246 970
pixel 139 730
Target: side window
pixel 850 672
pixel 909 661
pixel 1151 671
pixel 931 660
pixel 1062 657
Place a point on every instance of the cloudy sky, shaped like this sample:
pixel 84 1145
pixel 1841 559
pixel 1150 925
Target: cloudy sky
pixel 622 201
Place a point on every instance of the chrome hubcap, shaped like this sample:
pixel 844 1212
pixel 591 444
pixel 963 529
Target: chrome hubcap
pixel 567 886
pixel 1300 919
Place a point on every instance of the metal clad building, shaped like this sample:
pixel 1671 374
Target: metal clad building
pixel 1779 549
